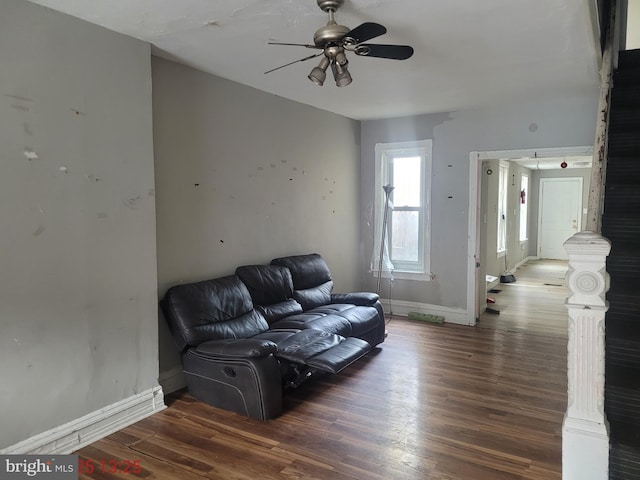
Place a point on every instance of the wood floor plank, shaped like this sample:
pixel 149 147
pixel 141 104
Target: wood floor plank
pixel 534 304
pixel 435 402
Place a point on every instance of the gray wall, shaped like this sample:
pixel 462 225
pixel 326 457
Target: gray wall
pixel 78 285
pixel 516 250
pixel 543 122
pixel 244 176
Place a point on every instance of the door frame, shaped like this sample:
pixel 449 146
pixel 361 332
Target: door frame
pixel 540 189
pixel 473 228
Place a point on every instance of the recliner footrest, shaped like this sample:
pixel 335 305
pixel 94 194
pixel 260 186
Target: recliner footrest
pixel 320 350
pixel 341 356
pixel 304 344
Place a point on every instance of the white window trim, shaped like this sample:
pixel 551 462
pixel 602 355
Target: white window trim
pixel 379 200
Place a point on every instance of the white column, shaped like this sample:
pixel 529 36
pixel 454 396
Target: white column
pixel 585 430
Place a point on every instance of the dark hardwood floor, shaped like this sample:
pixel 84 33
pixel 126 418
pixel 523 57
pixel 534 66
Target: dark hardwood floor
pixel 534 304
pixel 438 402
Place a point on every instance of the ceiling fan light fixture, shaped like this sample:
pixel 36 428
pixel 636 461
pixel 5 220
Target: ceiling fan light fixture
pixel 341 58
pixel 333 39
pixel 319 74
pixel 340 74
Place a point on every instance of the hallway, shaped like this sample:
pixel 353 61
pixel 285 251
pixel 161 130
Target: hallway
pixel 534 303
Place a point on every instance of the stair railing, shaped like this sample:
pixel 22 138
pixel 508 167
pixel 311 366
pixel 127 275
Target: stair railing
pixel 585 430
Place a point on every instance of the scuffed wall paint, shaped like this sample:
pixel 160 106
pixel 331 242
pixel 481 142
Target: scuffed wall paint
pixel 78 328
pixel 243 177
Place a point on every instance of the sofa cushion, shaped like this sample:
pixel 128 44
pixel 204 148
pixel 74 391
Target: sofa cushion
pixel 316 321
pixel 366 299
pixel 273 313
pixel 311 277
pixel 267 284
pixel 211 310
pixel 277 335
pixel 361 319
pixel 313 297
pixel 306 270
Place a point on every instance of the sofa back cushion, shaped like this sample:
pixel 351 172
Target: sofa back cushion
pixel 312 282
pixel 211 310
pixel 271 289
pixel 267 284
pixel 315 296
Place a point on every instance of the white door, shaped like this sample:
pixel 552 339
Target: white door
pixel 560 215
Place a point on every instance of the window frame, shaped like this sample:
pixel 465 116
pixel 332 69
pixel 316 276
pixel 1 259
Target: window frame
pixel 384 153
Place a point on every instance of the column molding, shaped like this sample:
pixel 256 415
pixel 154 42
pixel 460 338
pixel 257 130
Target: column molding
pixel 585 430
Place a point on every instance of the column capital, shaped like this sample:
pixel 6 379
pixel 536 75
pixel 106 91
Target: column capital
pixel 587 278
pixel 587 243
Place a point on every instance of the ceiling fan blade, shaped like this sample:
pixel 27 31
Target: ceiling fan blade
pixel 364 32
pixel 394 52
pixel 295 45
pixel 295 61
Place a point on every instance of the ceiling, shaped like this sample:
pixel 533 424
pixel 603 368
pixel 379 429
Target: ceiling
pixel 468 53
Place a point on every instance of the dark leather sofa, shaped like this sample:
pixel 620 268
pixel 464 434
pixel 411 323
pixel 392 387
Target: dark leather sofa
pixel 248 337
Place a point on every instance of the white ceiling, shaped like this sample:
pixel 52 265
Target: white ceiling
pixel 468 53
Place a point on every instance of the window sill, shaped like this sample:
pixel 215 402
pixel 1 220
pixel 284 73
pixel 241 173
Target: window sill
pixel 401 275
pixel 501 253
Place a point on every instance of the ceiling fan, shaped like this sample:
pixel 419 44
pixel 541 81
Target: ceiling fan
pixel 334 40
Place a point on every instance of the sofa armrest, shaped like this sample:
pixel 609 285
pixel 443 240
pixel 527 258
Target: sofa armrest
pixel 237 348
pixel 365 299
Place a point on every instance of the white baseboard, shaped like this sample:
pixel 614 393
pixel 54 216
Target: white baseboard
pixel 172 380
pixel 85 430
pixel 402 308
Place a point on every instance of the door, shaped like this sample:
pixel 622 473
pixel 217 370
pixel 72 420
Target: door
pixel 560 215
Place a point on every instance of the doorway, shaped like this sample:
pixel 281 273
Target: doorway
pixel 543 163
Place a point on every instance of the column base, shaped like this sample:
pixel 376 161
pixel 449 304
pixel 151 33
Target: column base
pixel 585 449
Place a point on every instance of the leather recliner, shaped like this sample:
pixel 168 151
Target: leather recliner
pixel 247 337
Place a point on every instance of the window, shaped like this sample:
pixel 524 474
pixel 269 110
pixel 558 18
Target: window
pixel 407 167
pixel 524 201
pixel 502 207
